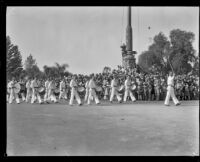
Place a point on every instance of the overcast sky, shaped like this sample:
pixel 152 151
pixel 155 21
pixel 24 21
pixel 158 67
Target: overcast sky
pixel 89 38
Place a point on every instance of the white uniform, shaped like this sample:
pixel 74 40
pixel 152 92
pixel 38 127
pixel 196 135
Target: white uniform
pixel 92 92
pixel 128 92
pixel 28 90
pixel 62 90
pixel 74 92
pixel 114 91
pixel 86 90
pixel 35 94
pixel 51 88
pixel 46 85
pixel 13 95
pixel 170 91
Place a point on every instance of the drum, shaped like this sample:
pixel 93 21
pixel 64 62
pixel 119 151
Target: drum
pixel 56 91
pixel 99 89
pixel 41 90
pixel 121 88
pixel 17 88
pixel 81 89
pixel 133 87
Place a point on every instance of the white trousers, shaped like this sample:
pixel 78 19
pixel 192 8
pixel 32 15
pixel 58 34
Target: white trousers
pixel 86 95
pixel 113 93
pixel 28 94
pixel 63 94
pixel 51 95
pixel 128 93
pixel 92 94
pixel 13 96
pixel 46 95
pixel 23 96
pixel 170 93
pixel 35 96
pixel 75 94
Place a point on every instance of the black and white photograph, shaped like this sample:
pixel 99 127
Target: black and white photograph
pixel 102 81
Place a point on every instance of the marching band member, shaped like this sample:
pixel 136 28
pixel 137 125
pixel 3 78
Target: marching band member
pixel 114 90
pixel 11 86
pixel 106 89
pixel 62 89
pixel 128 92
pixel 86 89
pixel 74 93
pixel 35 93
pixel 22 90
pixel 157 88
pixel 8 94
pixel 28 89
pixel 51 88
pixel 46 85
pixel 170 90
pixel 92 93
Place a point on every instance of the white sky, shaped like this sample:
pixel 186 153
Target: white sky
pixel 89 38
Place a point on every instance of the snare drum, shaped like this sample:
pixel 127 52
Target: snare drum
pixel 81 89
pixel 41 90
pixel 133 87
pixel 121 88
pixel 56 91
pixel 99 89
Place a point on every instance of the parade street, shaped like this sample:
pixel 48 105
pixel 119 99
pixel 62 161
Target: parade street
pixel 140 128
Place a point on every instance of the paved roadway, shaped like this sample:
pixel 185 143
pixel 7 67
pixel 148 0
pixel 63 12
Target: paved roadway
pixel 141 128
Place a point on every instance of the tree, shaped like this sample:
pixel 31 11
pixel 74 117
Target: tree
pixel 31 67
pixel 61 68
pixel 195 67
pixel 56 71
pixel 30 62
pixel 14 59
pixel 160 49
pixel 146 60
pixel 178 51
pixel 182 52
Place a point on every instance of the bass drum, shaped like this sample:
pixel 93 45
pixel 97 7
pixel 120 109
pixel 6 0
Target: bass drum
pixel 17 88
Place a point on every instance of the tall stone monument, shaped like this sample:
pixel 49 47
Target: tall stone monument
pixel 128 55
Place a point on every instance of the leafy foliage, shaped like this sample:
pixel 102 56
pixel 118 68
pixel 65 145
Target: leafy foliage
pixel 14 59
pixel 178 51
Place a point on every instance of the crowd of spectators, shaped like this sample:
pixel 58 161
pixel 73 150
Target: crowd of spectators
pixel 149 87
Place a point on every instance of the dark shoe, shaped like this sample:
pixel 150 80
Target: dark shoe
pixel 80 104
pixel 178 104
pixel 111 102
pixel 120 101
pixel 166 105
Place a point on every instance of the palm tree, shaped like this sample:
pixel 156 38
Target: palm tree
pixel 61 68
